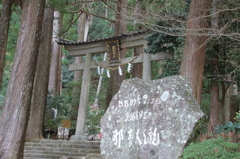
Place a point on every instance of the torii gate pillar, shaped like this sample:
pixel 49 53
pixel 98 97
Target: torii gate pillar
pixel 82 110
pixel 147 72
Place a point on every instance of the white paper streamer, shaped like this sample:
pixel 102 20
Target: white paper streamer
pixel 120 70
pixel 129 67
pixel 99 70
pixel 108 73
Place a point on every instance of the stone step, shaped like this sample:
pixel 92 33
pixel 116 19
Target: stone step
pixel 55 149
pixel 61 153
pixel 51 156
pixel 60 149
pixel 69 145
pixel 43 141
pixel 94 155
pixel 34 158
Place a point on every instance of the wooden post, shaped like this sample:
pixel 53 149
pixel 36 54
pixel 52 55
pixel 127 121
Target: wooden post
pixel 147 74
pixel 82 110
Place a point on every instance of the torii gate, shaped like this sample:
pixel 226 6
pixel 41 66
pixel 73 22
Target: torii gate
pixel 87 49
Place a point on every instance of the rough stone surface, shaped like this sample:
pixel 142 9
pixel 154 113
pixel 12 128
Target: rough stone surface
pixel 149 119
pixel 78 137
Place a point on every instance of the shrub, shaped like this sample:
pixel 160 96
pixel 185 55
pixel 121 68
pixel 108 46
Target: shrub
pixel 229 126
pixel 93 121
pixel 212 149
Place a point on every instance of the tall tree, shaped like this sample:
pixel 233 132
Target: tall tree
pixel 4 28
pixel 214 118
pixel 121 17
pixel 192 65
pixel 55 71
pixel 16 109
pixel 38 105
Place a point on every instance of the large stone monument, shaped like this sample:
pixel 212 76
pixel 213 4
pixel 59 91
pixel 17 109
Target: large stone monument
pixel 149 119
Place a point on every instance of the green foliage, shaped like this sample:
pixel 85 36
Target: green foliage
pixel 2 98
pixel 93 121
pixel 225 53
pixel 13 33
pixel 11 45
pixel 237 118
pixel 67 76
pixel 70 25
pixel 212 149
pixel 229 126
pixel 224 50
pixel 100 29
pixel 71 100
pixel 200 128
pixel 166 43
pixel 60 5
pixel 171 68
pixel 155 69
pixel 206 102
pixel 62 104
pixel 159 42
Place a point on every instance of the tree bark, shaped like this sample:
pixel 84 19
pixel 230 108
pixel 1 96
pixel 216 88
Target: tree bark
pixel 192 65
pixel 59 71
pixel 214 118
pixel 4 28
pixel 121 20
pixel 214 107
pixel 222 111
pixel 215 104
pixel 121 28
pixel 14 118
pixel 56 55
pixel 234 102
pixel 230 102
pixel 35 128
pixel 227 100
pixel 138 15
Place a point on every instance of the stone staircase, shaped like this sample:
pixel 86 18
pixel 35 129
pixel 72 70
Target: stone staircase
pixel 62 149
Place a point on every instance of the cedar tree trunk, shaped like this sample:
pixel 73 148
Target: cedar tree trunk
pixel 38 105
pixel 56 55
pixel 16 109
pixel 214 118
pixel 120 28
pixel 192 65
